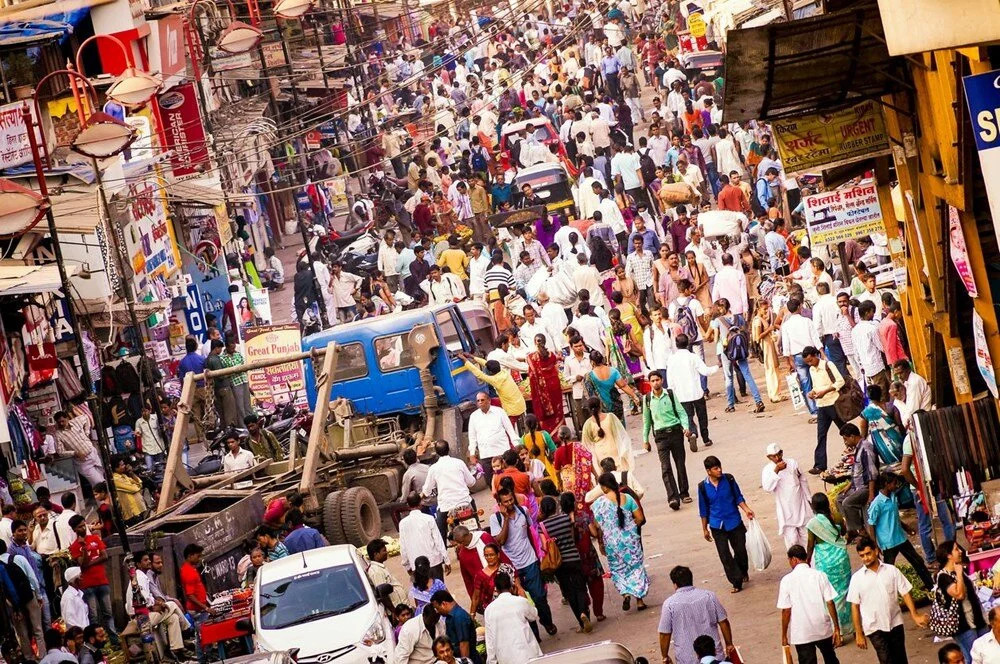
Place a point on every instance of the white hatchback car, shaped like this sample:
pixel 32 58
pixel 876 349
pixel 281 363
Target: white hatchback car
pixel 321 603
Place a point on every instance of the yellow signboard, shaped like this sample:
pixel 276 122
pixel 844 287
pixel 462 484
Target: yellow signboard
pixel 815 142
pixel 696 25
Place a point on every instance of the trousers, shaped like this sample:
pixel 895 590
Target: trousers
pixel 697 409
pixel 732 548
pixel 28 625
pixel 889 647
pixel 573 585
pixel 98 600
pixel 806 652
pixel 670 445
pixel 805 381
pixel 854 506
pixel 925 526
pixel 911 555
pixel 825 416
pixel 531 581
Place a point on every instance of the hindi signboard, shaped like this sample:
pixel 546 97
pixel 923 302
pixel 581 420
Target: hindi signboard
pixel 816 142
pixel 280 383
pixel 14 146
pixel 843 214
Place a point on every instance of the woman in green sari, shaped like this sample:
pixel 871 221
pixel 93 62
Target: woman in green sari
pixel 828 553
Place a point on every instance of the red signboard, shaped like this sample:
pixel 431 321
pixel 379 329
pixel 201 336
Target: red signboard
pixel 171 43
pixel 185 134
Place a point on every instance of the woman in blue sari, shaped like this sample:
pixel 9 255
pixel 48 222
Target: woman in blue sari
pixel 616 516
pixel 884 426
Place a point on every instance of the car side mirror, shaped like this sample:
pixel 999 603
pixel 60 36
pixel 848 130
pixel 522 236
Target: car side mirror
pixel 244 625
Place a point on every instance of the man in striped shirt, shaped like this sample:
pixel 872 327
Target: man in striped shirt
pixel 498 274
pixel 73 437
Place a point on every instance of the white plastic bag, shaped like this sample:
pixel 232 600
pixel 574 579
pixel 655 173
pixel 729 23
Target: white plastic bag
pixel 758 548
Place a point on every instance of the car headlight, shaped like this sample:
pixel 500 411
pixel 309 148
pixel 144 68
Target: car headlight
pixel 375 633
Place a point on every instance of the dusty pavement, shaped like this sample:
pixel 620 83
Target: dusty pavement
pixel 674 538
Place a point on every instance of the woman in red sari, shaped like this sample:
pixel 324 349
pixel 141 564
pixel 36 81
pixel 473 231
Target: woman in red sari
pixel 570 461
pixel 546 388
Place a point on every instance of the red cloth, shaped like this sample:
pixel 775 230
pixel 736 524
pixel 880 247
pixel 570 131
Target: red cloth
pixel 90 548
pixel 193 587
pixel 892 345
pixel 546 391
pixel 733 199
pixel 522 483
pixel 107 521
pixel 469 562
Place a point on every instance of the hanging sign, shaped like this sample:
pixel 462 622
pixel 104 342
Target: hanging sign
pixel 983 359
pixel 843 214
pixel 696 25
pixel 815 142
pixel 184 131
pixel 959 253
pixel 982 92
pixel 275 384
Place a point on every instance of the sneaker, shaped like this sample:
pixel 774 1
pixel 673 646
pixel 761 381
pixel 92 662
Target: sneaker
pixel 708 443
pixel 730 409
pixel 675 504
pixel 693 441
pixel 759 408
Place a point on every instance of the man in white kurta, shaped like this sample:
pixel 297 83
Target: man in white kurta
pixel 790 487
pixel 509 639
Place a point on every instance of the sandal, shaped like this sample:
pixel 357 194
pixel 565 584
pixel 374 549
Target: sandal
pixel 759 408
pixel 640 605
pixel 627 603
pixel 601 618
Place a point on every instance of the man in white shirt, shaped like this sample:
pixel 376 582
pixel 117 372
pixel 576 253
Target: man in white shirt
pixel 918 393
pixel 490 434
pixel 870 294
pixel 531 326
pixel 419 536
pixel 415 644
pixel 64 533
pixel 874 594
pixel 868 347
pixel 43 536
pixel 504 357
pixel 576 367
pixel 686 375
pixel 443 288
pixel 798 332
pixel 478 264
pixel 808 613
pixel 626 169
pixel 388 259
pixel 341 287
pixel 658 342
pixel 703 251
pixel 160 613
pixel 730 283
pixel 509 639
pixel 826 319
pixel 986 649
pixel 72 605
pixel 451 478
pixel 589 327
pixel 553 317
pixel 238 458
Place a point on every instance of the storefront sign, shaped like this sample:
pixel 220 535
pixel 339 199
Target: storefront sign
pixel 982 92
pixel 149 240
pixel 274 55
pixel 696 25
pixel 815 142
pixel 185 134
pixel 15 148
pixel 843 214
pixel 337 190
pixel 193 313
pixel 252 307
pixel 280 383
pixel 959 253
pixel 158 350
pixel 170 34
pixel 983 359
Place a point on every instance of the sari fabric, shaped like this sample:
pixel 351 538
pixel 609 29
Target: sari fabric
pixel 546 391
pixel 830 557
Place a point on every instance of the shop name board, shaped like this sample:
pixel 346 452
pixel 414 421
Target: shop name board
pixel 815 142
pixel 280 383
pixel 843 214
pixel 15 149
pixel 982 92
pixel 185 134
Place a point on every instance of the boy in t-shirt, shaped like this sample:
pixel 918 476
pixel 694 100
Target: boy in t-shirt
pixel 104 509
pixel 90 553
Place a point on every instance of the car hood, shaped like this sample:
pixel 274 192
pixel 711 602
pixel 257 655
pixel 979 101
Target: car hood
pixel 320 636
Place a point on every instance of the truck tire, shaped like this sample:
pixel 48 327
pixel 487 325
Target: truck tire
pixel 333 526
pixel 359 516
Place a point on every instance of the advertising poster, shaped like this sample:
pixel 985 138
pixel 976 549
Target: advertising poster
pixel 280 383
pixel 185 133
pixel 252 307
pixel 959 253
pixel 982 92
pixel 815 142
pixel 843 214
pixel 149 239
pixel 983 359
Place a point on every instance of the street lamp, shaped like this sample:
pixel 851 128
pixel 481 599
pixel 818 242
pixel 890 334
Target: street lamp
pixel 133 87
pixel 291 9
pixel 20 209
pixel 102 136
pixel 237 37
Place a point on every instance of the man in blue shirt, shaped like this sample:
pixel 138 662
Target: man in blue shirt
pixel 886 528
pixel 610 66
pixel 459 628
pixel 719 503
pixel 194 362
pixel 301 537
pixel 762 190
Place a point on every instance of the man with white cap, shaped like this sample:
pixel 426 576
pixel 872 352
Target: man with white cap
pixel 790 487
pixel 74 608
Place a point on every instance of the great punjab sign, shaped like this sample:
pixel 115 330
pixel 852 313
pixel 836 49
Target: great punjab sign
pixel 814 142
pixel 843 214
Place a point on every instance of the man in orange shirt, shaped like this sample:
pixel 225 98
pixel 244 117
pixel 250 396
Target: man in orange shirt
pixel 195 594
pixel 888 332
pixel 731 197
pixel 522 483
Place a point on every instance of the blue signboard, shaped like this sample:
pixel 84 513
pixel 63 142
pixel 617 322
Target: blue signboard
pixel 982 92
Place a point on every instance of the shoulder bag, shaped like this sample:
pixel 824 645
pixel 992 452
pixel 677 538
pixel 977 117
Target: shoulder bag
pixel 943 615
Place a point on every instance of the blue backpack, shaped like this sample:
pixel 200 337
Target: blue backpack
pixel 737 347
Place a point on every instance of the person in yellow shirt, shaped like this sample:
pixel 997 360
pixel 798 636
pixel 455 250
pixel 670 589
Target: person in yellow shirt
pixel 511 399
pixel 455 258
pixel 129 488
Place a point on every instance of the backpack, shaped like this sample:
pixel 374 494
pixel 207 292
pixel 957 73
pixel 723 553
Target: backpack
pixel 755 206
pixel 128 378
pixel 737 345
pixel 647 166
pixel 20 581
pixel 552 559
pixel 685 318
pixel 703 493
pixel 478 161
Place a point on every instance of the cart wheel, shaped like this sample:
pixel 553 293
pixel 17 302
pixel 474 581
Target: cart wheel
pixel 360 517
pixel 333 527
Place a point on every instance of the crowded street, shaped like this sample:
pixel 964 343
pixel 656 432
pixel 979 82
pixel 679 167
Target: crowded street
pixel 519 333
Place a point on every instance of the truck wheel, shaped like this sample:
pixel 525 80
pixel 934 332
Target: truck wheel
pixel 333 526
pixel 360 518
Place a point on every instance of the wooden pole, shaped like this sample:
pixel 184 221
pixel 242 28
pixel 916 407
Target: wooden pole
pixel 324 383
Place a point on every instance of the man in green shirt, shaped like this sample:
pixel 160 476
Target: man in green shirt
pixel 668 421
pixel 263 443
pixel 225 404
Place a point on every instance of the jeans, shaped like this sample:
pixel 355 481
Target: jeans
pixel 806 652
pixel 735 562
pixel 889 647
pixel 670 444
pixel 573 585
pixel 98 600
pixel 531 581
pixel 965 640
pixel 197 618
pixel 911 555
pixel 697 408
pixel 152 459
pixel 835 353
pixel 805 382
pixel 825 416
pixel 713 177
pixel 925 526
pixel 744 367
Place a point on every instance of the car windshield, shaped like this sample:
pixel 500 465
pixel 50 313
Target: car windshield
pixel 311 595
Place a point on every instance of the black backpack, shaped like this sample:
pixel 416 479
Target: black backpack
pixel 755 206
pixel 647 166
pixel 20 581
pixel 128 378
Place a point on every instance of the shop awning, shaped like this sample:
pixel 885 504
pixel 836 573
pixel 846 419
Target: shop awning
pixel 193 195
pixel 75 213
pixel 807 66
pixel 101 313
pixel 20 279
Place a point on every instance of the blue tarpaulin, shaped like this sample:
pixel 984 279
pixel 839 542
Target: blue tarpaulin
pixel 57 25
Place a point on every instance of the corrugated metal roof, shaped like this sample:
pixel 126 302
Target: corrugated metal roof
pixel 810 65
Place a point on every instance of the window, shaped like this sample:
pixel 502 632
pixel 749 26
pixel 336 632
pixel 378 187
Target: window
pixel 393 352
pixel 351 362
pixel 312 595
pixel 452 335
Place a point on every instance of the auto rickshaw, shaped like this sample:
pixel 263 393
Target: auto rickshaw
pixel 552 183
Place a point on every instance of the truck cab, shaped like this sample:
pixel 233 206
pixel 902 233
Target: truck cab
pixel 377 369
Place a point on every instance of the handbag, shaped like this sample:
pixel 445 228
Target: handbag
pixel 850 398
pixel 944 613
pixel 552 559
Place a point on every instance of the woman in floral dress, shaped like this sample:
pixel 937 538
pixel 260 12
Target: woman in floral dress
pixel 615 517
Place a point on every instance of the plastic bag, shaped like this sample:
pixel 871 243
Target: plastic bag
pixel 758 548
